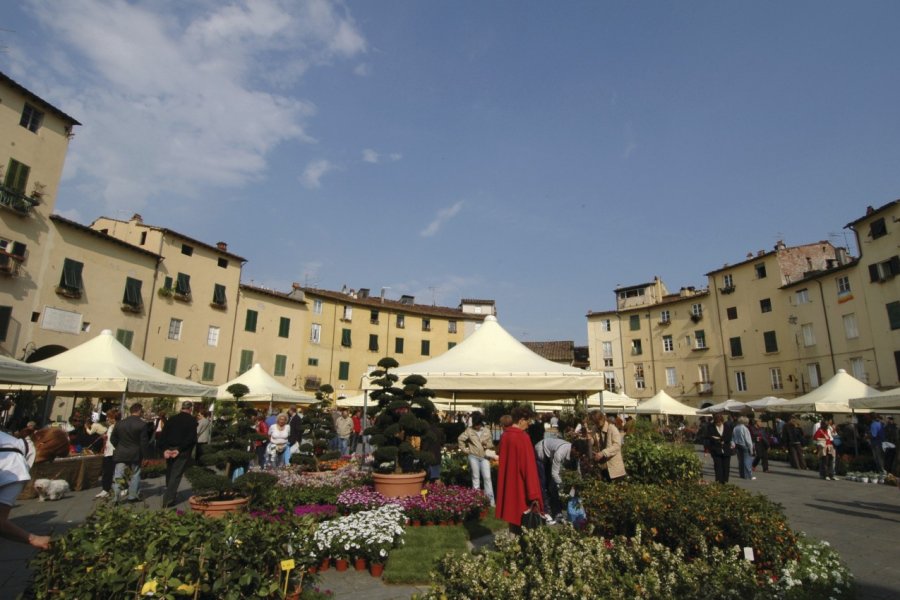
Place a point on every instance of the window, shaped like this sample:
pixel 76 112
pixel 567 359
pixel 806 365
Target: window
pixel 760 270
pixel 284 327
pixel 639 376
pixel 636 347
pixel 246 361
pixel 143 238
pixel 183 285
pixel 315 333
pixel 373 317
pixel 70 282
pixel 170 365
pixel 696 310
pixel 345 338
pixel 317 307
pixel 770 341
pixel 212 336
pixel 736 350
pixel 877 228
pixel 802 296
pixel 809 336
pixel 606 325
pixel 664 317
pixel 280 365
pixel 209 371
pixel 426 348
pixel 814 374
pixel 219 296
pixel 700 339
pixel 31 119
pixel 608 362
pixel 187 250
pixel 398 346
pixel 426 324
pixel 609 380
pixel 731 313
pixel 668 343
pixel 885 270
pixel 843 285
pixel 607 349
pixel 765 305
pixel 373 342
pixel 451 326
pixel 343 371
pixel 451 345
pixel 728 281
pixel 740 381
pixel 250 320
pixel 893 311
pixel 222 263
pixel 16 176
pixel 175 329
pixel 703 374
pixel 167 283
pixel 401 321
pixel 775 378
pixel 858 369
pixel 634 322
pixel 851 329
pixel 125 337
pixel 132 295
pixel 348 313
pixel 312 362
pixel 671 377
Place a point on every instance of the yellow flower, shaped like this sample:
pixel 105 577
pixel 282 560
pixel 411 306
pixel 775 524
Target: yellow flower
pixel 140 567
pixel 149 588
pixel 187 588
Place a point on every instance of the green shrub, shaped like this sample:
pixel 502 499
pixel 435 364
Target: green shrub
pixel 116 551
pixel 691 517
pixel 648 460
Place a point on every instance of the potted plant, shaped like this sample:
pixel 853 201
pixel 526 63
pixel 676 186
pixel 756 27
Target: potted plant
pixel 403 419
pixel 219 484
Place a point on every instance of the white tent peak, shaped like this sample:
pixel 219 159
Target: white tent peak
pixel 664 404
pixel 833 396
pixel 263 387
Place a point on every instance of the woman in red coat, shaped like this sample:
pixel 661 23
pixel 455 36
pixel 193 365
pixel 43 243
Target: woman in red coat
pixel 517 482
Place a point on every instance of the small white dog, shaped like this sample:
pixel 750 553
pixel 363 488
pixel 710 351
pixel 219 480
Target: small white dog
pixel 51 489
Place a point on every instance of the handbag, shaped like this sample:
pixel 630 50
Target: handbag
pixel 575 512
pixel 532 518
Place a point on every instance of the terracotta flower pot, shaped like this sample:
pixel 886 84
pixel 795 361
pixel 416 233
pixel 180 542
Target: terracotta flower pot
pixel 341 564
pixel 359 564
pixel 216 509
pixel 325 564
pixel 376 569
pixel 399 485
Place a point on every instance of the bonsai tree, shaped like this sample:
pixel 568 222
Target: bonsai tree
pixel 233 432
pixel 318 432
pixel 403 419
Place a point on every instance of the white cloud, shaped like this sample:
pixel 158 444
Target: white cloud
pixel 313 173
pixel 395 156
pixel 177 98
pixel 443 215
pixel 631 144
pixel 370 156
pixel 362 69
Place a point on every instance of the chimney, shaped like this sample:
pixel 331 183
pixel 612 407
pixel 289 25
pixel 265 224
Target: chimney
pixel 407 299
pixel 222 246
pixel 363 293
pixel 296 286
pixel 137 217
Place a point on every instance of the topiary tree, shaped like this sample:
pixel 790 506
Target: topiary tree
pixel 404 417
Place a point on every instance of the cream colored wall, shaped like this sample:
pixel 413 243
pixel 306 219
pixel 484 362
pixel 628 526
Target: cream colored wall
pixel 45 152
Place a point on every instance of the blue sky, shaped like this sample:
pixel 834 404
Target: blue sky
pixel 536 153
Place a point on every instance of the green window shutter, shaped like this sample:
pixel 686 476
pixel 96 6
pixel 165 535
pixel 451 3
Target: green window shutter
pixel 125 337
pixel 183 285
pixel 170 365
pixel 5 320
pixel 209 371
pixel 736 349
pixel 284 327
pixel 426 347
pixel 219 295
pixel 71 276
pixel 893 310
pixel 373 342
pixel 344 371
pixel 451 345
pixel 398 346
pixel 167 283
pixel 132 295
pixel 634 322
pixel 280 364
pixel 345 338
pixel 246 360
pixel 17 176
pixel 250 322
pixel 770 341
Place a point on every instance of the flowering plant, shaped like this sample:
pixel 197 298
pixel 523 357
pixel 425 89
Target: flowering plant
pixel 366 534
pixel 438 502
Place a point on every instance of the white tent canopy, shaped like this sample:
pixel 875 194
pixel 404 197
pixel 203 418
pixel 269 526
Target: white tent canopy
pixel 15 371
pixel 263 388
pixel 727 406
pixel 610 400
pixel 887 400
pixel 663 404
pixel 766 403
pixel 833 396
pixel 492 364
pixel 104 366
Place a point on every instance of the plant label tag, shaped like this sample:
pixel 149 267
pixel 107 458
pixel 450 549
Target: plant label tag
pixel 287 565
pixel 748 554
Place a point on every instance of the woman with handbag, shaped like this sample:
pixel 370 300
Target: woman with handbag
pixel 825 449
pixel 278 437
pixel 518 487
pixel 718 444
pixel 476 442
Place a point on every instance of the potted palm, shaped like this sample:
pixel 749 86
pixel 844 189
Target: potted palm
pixel 404 417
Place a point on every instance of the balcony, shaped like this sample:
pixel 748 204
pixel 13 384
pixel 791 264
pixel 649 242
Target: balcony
pixel 9 264
pixel 696 317
pixel 17 201
pixel 728 289
pixel 705 388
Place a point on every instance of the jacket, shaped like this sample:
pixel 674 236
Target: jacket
pixel 517 476
pixel 718 444
pixel 180 433
pixel 130 438
pixel 204 430
pixel 608 442
pixel 475 442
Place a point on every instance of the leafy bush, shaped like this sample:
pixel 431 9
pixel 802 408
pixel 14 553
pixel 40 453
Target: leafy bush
pixel 650 461
pixel 117 553
pixel 691 517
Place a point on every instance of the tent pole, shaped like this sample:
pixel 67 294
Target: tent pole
pixel 365 421
pixel 122 406
pixel 47 407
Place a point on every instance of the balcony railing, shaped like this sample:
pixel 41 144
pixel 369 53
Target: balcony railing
pixel 704 387
pixel 9 264
pixel 16 201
